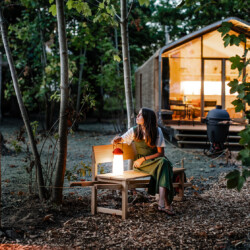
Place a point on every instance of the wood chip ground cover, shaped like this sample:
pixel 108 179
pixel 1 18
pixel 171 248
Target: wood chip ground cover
pixel 210 217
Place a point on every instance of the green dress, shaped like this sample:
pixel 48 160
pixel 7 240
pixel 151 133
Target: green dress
pixel 160 169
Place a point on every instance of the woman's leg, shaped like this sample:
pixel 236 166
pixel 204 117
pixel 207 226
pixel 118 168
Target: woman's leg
pixel 163 197
pixel 162 192
pixel 163 204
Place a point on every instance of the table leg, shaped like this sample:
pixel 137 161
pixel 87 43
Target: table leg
pixel 124 200
pixel 181 182
pixel 93 200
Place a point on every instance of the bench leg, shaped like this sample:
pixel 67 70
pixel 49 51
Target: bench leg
pixel 181 188
pixel 93 200
pixel 124 200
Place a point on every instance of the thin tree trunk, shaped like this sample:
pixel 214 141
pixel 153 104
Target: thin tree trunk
pixel 116 47
pixel 126 63
pixel 44 63
pixel 62 154
pixel 118 74
pixel 0 180
pixel 1 84
pixel 80 78
pixel 41 188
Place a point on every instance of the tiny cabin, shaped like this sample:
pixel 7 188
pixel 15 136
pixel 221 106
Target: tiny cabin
pixel 188 77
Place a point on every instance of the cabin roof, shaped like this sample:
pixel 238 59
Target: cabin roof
pixel 239 26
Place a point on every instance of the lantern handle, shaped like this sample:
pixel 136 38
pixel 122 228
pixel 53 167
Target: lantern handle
pixel 115 145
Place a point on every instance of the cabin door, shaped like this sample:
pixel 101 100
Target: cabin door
pixel 213 84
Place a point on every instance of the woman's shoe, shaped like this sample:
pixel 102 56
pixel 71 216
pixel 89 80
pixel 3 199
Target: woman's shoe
pixel 169 212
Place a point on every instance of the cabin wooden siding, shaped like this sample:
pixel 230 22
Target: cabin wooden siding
pixel 146 85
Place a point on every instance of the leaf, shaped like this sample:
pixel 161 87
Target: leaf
pixel 241 94
pixel 246 161
pixel 235 40
pixel 236 60
pixel 225 28
pixel 212 165
pixel 70 4
pixel 52 9
pixel 236 102
pixel 20 193
pixel 195 187
pixel 234 85
pixel 246 173
pixel 101 5
pixel 245 153
pixel 117 58
pixel 233 174
pixel 242 37
pixel 83 172
pixel 48 217
pixel 232 183
pixel 142 2
pixel 227 40
pixel 241 181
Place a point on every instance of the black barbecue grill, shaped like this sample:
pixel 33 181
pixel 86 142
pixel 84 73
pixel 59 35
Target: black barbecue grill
pixel 218 122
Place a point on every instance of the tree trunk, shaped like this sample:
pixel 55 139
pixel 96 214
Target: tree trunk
pixel 80 79
pixel 41 188
pixel 1 84
pixel 62 154
pixel 44 64
pixel 1 179
pixel 126 63
pixel 3 149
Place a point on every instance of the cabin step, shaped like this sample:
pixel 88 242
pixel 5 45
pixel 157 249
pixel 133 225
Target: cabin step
pixel 181 136
pixel 180 143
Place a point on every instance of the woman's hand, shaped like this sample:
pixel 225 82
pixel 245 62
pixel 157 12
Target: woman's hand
pixel 138 162
pixel 117 139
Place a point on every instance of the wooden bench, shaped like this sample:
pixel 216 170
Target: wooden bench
pixel 130 179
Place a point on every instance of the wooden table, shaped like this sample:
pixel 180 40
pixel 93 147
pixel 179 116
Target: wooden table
pixel 128 180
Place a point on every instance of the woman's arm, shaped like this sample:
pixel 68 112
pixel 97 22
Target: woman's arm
pixel 117 139
pixel 160 153
pixel 128 137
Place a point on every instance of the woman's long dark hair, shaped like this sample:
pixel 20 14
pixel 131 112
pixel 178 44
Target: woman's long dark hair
pixel 151 128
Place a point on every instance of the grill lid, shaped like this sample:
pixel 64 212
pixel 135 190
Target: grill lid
pixel 218 114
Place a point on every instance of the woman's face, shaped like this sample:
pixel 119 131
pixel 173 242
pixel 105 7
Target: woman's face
pixel 139 118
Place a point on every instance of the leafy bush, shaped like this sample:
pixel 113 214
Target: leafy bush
pixel 236 179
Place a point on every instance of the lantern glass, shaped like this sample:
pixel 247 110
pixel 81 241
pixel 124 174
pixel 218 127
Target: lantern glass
pixel 118 164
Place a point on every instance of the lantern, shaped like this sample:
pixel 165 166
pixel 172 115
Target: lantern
pixel 118 162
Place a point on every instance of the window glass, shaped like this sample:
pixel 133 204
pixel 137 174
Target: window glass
pixel 212 84
pixel 185 80
pixel 213 46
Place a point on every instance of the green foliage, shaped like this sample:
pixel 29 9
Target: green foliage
pixel 241 87
pixel 236 180
pixel 78 171
pixel 117 58
pixel 52 9
pixel 34 126
pixel 142 2
pixel 105 11
pixel 16 145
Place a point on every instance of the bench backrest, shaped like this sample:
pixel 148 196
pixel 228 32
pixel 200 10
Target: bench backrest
pixel 104 154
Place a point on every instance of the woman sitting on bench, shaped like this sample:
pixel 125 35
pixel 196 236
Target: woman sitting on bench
pixel 149 143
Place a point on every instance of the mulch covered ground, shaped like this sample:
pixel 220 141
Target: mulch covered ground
pixel 216 218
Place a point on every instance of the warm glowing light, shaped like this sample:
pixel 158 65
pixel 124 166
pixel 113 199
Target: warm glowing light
pixel 118 162
pixel 210 88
